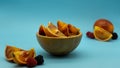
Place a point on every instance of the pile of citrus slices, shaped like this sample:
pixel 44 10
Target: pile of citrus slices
pixel 18 55
pixel 61 30
pixel 23 57
pixel 103 31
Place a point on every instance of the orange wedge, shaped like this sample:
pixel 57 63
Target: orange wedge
pixel 73 30
pixel 9 50
pixel 53 31
pixel 20 57
pixel 67 29
pixel 63 27
pixel 101 34
pixel 41 30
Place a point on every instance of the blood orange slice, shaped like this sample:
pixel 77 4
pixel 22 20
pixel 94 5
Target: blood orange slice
pixel 20 57
pixel 101 34
pixel 52 31
pixel 9 50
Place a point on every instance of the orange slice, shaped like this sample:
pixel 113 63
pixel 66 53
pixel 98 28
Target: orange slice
pixel 9 50
pixel 67 29
pixel 41 30
pixel 20 57
pixel 101 34
pixel 73 30
pixel 63 27
pixel 53 31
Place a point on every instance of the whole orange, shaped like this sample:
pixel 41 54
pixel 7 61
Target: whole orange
pixel 105 24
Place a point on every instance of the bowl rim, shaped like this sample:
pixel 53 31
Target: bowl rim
pixel 79 35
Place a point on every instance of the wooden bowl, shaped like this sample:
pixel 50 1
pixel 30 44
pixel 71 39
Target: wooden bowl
pixel 59 45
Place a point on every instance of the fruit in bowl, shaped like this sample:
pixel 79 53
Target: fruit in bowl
pixel 59 40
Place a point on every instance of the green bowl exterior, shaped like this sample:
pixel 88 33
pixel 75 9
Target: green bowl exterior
pixel 58 45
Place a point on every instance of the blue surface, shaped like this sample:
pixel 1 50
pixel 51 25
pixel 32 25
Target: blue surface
pixel 20 20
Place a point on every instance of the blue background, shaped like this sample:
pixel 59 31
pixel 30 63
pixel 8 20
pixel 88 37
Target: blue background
pixel 20 20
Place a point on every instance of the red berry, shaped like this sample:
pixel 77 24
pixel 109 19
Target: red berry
pixel 31 62
pixel 90 35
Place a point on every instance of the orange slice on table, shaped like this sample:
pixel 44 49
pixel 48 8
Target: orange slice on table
pixel 9 51
pixel 101 34
pixel 53 31
pixel 20 57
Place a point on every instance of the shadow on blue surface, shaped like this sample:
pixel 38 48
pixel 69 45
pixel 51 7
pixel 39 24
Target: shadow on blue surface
pixel 72 55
